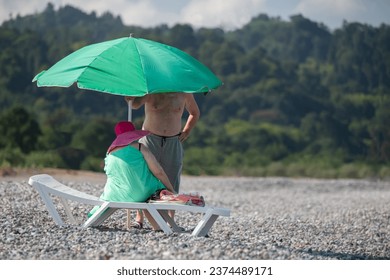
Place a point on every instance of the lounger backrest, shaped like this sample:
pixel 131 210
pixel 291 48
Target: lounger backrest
pixel 46 182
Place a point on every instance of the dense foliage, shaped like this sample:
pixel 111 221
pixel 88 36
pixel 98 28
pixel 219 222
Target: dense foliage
pixel 297 99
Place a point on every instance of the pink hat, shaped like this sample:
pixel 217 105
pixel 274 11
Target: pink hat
pixel 126 134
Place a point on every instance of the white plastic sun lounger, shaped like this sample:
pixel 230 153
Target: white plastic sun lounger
pixel 48 187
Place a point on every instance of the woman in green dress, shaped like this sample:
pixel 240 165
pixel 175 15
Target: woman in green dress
pixel 133 173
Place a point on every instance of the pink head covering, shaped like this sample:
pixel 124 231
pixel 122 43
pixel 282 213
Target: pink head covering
pixel 126 134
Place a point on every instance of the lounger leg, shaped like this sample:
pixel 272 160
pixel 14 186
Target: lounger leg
pixel 159 219
pixel 104 216
pixel 99 216
pixel 169 220
pixel 205 224
pixel 68 211
pixel 50 206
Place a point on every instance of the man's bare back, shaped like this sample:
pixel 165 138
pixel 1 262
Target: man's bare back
pixel 163 113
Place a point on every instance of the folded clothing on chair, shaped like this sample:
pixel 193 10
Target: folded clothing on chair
pixel 166 196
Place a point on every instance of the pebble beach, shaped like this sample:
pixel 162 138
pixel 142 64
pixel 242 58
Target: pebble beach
pixel 271 219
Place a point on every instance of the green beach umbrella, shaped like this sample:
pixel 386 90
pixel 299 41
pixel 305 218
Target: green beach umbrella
pixel 130 67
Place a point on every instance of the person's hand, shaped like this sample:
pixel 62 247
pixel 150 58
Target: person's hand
pixel 129 98
pixel 184 136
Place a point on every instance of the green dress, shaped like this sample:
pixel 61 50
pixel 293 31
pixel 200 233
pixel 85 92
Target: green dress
pixel 129 178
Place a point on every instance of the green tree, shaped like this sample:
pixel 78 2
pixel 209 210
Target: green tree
pixel 94 137
pixel 18 129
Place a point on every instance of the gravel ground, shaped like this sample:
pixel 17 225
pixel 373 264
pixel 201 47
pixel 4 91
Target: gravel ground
pixel 271 218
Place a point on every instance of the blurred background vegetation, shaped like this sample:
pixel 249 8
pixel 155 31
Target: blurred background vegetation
pixel 298 99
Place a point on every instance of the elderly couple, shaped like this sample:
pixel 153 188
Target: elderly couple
pixel 140 163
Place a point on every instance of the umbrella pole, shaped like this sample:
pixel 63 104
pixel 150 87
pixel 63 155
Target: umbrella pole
pixel 129 117
pixel 129 114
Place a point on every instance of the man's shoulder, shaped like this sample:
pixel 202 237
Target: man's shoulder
pixel 163 98
pixel 166 94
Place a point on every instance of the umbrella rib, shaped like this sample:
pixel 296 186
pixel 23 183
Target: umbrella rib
pixel 142 65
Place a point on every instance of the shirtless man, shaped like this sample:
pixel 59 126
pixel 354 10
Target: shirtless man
pixel 163 118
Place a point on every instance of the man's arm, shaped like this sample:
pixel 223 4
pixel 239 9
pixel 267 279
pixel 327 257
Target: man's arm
pixel 137 101
pixel 194 114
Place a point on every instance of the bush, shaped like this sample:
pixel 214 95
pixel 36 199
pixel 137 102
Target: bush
pixel 296 170
pixel 44 159
pixel 72 157
pixel 357 170
pixel 384 173
pixel 276 169
pixel 93 164
pixel 204 161
pixel 348 171
pixel 11 157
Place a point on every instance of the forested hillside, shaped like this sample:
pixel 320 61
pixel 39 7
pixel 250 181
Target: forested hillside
pixel 297 100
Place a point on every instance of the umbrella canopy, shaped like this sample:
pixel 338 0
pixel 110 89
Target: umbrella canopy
pixel 130 67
